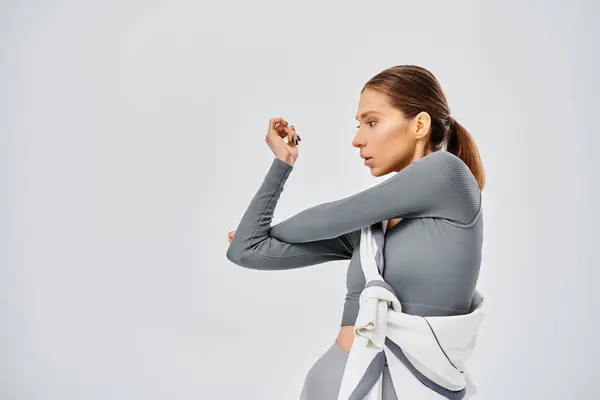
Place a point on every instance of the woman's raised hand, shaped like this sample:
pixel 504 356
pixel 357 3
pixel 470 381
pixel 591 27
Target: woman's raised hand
pixel 278 130
pixel 285 151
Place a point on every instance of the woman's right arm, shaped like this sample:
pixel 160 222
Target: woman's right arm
pixel 253 247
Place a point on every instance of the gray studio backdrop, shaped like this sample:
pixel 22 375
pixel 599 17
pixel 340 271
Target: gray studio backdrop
pixel 132 140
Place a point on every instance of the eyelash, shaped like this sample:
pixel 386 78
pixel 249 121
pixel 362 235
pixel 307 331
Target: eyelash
pixel 370 122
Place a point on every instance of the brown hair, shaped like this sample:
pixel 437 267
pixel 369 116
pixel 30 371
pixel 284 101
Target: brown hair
pixel 413 89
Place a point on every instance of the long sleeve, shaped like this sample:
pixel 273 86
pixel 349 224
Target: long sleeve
pixel 439 185
pixel 253 247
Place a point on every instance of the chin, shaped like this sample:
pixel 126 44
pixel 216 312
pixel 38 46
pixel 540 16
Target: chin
pixel 376 172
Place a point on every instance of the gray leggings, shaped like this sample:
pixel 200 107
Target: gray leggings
pixel 325 377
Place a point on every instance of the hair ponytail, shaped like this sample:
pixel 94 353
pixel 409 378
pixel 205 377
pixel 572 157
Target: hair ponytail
pixel 412 89
pixel 461 144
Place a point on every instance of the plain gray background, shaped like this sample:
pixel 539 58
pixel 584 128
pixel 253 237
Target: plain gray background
pixel 132 140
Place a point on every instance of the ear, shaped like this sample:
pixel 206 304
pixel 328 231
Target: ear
pixel 423 123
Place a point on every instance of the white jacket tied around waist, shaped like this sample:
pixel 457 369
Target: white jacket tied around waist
pixel 425 355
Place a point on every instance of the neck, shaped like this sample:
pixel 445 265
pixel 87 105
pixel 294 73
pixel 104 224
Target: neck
pixel 420 152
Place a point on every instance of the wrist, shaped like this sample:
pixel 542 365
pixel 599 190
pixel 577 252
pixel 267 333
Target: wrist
pixel 287 160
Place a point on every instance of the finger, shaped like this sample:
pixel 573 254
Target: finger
pixel 291 137
pixel 292 130
pixel 281 132
pixel 279 127
pixel 296 136
pixel 281 124
pixel 274 121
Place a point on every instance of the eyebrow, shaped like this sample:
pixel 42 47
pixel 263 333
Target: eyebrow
pixel 366 113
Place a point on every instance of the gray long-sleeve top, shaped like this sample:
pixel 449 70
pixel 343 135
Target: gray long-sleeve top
pixel 432 256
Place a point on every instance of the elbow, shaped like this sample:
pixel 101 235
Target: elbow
pixel 242 252
pixel 236 250
pixel 239 257
pixel 234 255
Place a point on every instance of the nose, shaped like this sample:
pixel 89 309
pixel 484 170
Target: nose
pixel 358 140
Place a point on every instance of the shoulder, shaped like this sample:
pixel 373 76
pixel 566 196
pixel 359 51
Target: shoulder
pixel 454 183
pixel 442 158
pixel 448 166
pixel 441 168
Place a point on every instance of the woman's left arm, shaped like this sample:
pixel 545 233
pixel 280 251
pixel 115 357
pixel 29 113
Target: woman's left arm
pixel 439 185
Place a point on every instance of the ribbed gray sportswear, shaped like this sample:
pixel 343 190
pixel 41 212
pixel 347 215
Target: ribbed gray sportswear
pixel 432 256
pixel 324 378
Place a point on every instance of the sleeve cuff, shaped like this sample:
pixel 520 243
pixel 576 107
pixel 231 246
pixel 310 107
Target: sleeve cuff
pixel 279 170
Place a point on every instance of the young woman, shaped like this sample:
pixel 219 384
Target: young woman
pixel 432 205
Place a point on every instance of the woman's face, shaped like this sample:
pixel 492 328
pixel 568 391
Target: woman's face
pixel 385 136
